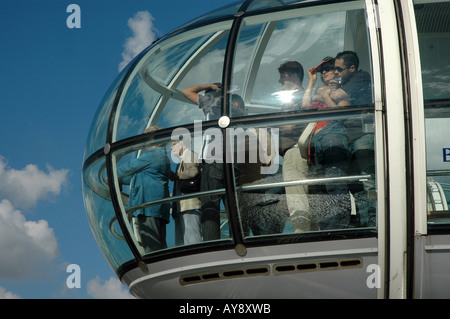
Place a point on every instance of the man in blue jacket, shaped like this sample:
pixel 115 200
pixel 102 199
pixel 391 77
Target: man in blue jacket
pixel 148 177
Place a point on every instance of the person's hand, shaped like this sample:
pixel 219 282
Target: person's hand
pixel 312 74
pixel 215 86
pixel 335 84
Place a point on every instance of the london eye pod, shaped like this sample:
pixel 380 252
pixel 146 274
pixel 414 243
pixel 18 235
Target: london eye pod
pixel 355 209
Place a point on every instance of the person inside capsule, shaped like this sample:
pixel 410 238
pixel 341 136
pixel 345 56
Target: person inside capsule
pixel 330 146
pixel 357 84
pixel 148 177
pixel 212 173
pixel 294 167
pixel 327 150
pixel 186 213
pixel 291 80
pixel 301 160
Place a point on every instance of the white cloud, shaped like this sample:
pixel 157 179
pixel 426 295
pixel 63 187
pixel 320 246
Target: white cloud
pixel 24 188
pixel 144 33
pixel 110 289
pixel 7 295
pixel 25 246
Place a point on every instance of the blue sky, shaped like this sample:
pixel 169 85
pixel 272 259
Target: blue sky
pixel 52 81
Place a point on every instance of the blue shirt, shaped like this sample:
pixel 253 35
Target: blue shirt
pixel 148 177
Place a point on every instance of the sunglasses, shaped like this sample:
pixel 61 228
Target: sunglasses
pixel 328 69
pixel 339 69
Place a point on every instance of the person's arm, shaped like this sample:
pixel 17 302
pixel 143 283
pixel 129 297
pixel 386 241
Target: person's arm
pixel 307 97
pixel 191 93
pixel 334 98
pixel 127 169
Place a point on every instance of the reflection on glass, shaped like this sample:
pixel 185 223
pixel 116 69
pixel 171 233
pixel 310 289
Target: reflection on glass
pixel 319 185
pixel 322 188
pixel 262 204
pixel 166 63
pixel 205 65
pixel 434 45
pixel 139 103
pixel 97 134
pixel 267 49
pixel 438 166
pixel 434 51
pixel 101 217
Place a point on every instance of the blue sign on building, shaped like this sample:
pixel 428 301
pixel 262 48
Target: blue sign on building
pixel 446 152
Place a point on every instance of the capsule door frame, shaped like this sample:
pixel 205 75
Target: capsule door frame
pixel 400 202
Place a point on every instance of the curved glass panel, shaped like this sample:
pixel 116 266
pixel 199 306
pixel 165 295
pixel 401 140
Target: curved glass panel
pixel 199 208
pixel 266 43
pixel 101 215
pixel 206 66
pixel 97 134
pixel 226 11
pixel 282 192
pixel 154 96
pixel 259 5
pixel 331 168
pixel 143 177
pixel 156 202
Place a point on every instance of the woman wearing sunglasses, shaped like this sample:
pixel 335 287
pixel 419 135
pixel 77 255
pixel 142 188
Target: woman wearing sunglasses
pixel 328 149
pixel 329 94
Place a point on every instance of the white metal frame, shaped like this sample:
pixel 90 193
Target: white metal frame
pixel 418 123
pixel 395 170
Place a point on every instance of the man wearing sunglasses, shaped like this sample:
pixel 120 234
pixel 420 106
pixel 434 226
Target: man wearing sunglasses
pixel 356 83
